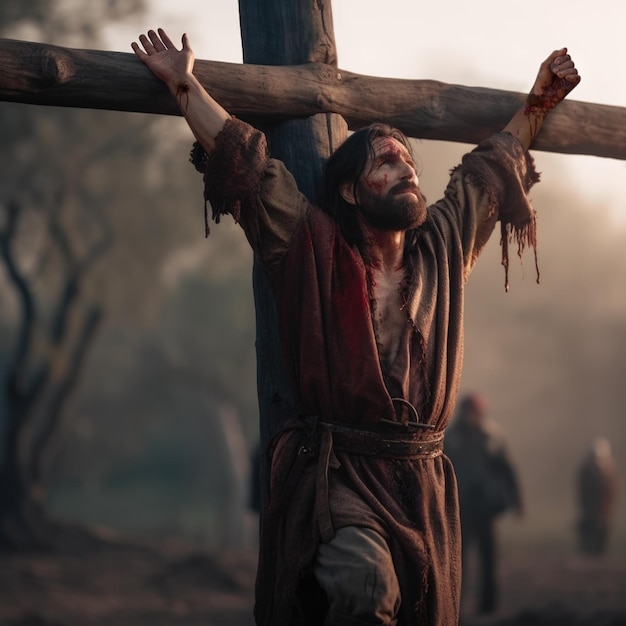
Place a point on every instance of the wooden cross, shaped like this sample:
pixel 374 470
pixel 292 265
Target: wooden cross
pixel 291 87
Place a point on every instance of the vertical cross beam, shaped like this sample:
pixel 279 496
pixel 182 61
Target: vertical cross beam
pixel 287 32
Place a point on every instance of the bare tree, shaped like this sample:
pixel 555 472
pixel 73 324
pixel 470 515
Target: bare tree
pixel 53 230
pixel 52 340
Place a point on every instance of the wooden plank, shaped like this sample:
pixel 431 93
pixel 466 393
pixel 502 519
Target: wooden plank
pixel 302 144
pixel 50 75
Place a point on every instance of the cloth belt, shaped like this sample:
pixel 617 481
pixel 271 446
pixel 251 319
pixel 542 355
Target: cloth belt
pixel 344 438
pixel 408 445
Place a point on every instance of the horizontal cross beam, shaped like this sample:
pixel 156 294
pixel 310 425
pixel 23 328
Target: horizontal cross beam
pixel 42 74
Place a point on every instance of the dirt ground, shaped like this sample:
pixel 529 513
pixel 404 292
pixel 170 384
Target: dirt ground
pixel 106 581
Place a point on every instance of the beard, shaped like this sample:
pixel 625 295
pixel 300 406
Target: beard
pixel 396 210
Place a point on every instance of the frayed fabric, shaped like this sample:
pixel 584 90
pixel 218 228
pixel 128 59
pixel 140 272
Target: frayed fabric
pixel 232 171
pixel 525 235
pixel 501 159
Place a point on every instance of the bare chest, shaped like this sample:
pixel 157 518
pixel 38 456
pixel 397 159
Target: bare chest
pixel 389 316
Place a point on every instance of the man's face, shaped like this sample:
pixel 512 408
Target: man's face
pixel 388 194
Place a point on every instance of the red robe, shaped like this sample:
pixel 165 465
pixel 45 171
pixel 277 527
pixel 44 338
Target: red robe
pixel 322 293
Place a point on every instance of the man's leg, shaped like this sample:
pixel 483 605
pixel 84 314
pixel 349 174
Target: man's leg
pixel 488 583
pixel 356 572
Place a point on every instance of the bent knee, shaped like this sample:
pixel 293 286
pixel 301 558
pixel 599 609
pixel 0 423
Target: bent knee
pixel 356 571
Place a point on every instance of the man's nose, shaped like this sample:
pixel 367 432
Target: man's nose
pixel 408 172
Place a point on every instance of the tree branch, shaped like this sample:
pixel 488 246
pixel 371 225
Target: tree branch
pixel 15 379
pixel 60 392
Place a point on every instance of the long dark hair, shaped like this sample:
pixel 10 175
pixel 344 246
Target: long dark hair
pixel 347 164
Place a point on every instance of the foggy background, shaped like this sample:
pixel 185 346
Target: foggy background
pixel 159 433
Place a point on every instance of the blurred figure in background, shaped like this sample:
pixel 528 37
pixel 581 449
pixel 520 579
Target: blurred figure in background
pixel 488 487
pixel 597 485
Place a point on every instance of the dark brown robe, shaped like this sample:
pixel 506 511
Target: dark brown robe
pixel 322 292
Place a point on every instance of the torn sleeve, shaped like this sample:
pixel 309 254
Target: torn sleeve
pixel 241 179
pixel 502 172
pixel 233 171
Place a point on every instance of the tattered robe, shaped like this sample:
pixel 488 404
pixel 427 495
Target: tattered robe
pixel 322 290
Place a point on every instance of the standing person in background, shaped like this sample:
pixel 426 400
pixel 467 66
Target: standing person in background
pixel 488 488
pixel 597 485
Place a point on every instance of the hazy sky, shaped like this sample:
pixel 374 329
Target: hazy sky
pixel 492 43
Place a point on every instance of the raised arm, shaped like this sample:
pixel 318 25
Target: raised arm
pixel 556 78
pixel 174 67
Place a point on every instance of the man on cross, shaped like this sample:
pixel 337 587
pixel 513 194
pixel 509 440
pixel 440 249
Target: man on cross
pixel 360 521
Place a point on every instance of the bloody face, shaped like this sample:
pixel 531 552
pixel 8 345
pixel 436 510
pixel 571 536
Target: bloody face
pixel 388 193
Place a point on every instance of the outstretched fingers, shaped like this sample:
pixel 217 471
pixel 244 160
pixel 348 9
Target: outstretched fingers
pixel 146 50
pixel 153 43
pixel 147 44
pixel 167 42
pixel 157 44
pixel 137 50
pixel 156 50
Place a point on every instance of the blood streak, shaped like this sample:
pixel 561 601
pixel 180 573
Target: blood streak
pixel 386 149
pixel 377 186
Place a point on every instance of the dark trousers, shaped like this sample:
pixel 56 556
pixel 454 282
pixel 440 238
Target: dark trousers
pixel 479 534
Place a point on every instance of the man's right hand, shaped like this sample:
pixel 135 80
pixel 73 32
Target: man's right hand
pixel 172 66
